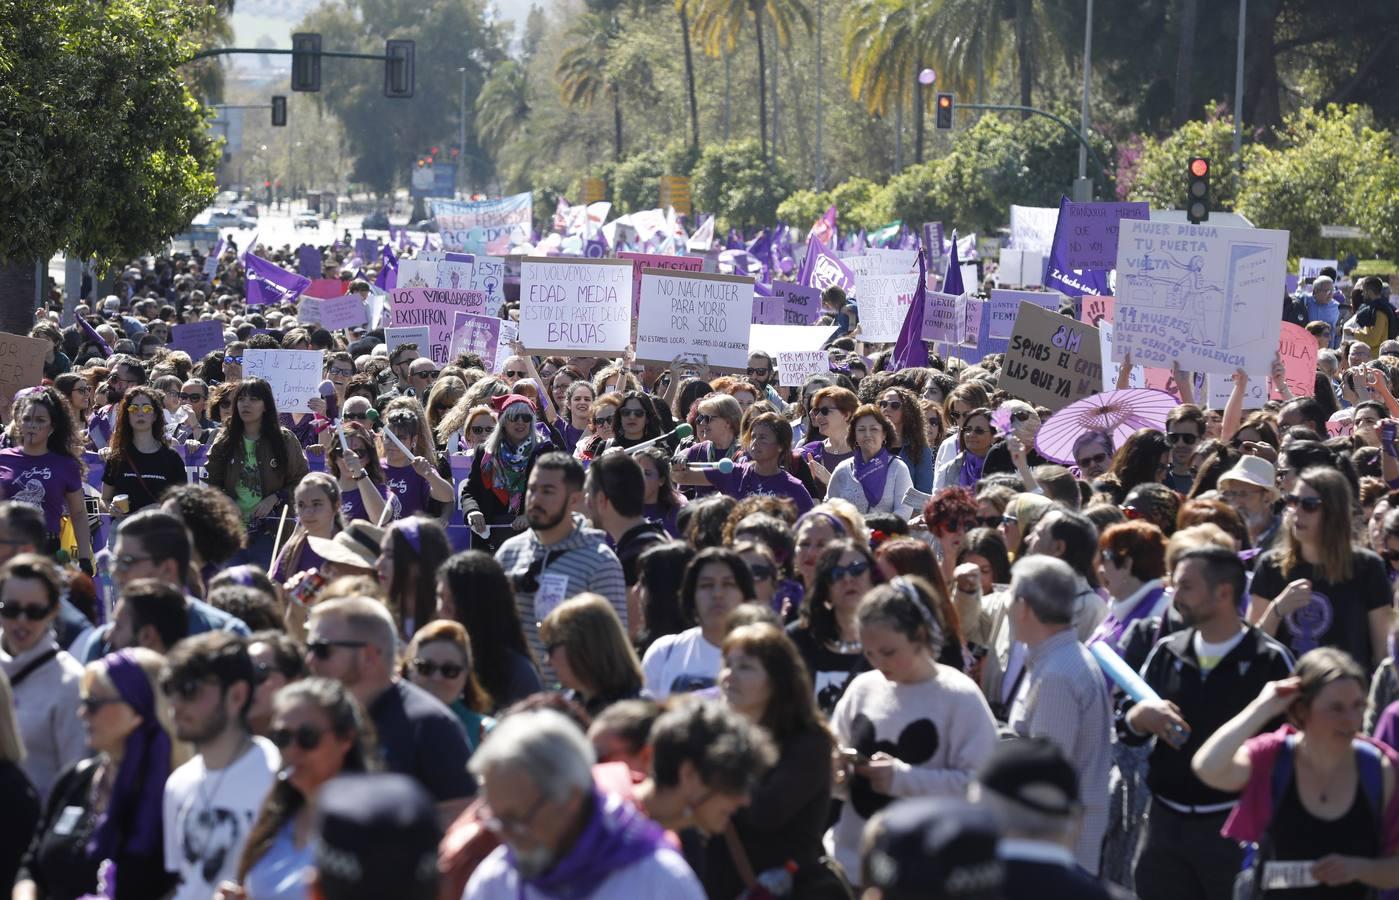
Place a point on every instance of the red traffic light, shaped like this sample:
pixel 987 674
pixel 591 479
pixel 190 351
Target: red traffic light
pixel 1199 167
pixel 945 101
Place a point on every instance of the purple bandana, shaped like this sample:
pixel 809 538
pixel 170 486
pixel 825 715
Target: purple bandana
pixel 971 469
pixel 615 837
pixel 131 823
pixel 872 475
pixel 409 529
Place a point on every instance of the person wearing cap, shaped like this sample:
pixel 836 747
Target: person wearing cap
pixel 375 836
pixel 561 831
pixel 1251 488
pixel 1063 697
pixel 1203 674
pixel 932 848
pixel 1032 793
pixel 501 467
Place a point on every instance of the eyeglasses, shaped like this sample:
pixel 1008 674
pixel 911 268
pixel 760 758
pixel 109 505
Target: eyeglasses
pixel 1096 459
pixel 344 373
pixel 323 649
pixel 193 398
pixel 1175 437
pixel 355 417
pixel 185 689
pixel 429 669
pixel 135 408
pixel 127 560
pixel 518 417
pixel 1308 504
pixel 236 360
pixel 428 374
pixel 631 412
pixel 854 570
pixel 481 430
pixel 32 613
pixel 1021 415
pixel 761 571
pixel 306 737
pixel 1110 556
pixel 979 430
pixel 935 422
pixel 91 705
pixel 760 373
pixel 514 373
pixel 503 824
pixel 990 521
pixel 891 404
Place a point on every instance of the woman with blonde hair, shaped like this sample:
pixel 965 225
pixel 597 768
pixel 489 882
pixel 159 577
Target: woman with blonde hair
pixel 22 801
pixel 415 477
pixel 587 648
pixel 317 504
pixel 445 393
pixel 107 809
pixel 439 661
pixel 470 432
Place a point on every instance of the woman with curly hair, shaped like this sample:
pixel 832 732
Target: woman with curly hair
pixel 213 522
pixel 904 411
pixel 1144 456
pixel 44 465
pixel 141 466
pixel 949 516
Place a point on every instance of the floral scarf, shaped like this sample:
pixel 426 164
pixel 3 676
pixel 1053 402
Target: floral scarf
pixel 504 472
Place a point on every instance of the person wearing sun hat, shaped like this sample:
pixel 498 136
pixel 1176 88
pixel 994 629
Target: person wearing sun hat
pixel 353 551
pixel 1251 487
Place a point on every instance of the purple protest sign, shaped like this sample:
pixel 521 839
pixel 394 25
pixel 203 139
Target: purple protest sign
pixel 309 261
pixel 1091 242
pixel 197 338
pixel 476 334
pixel 768 311
pixel 343 312
pixel 367 248
pixel 932 245
pixel 801 305
pixel 434 307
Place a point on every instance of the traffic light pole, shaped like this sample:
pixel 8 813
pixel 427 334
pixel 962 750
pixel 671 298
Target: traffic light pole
pixel 1083 142
pixel 228 51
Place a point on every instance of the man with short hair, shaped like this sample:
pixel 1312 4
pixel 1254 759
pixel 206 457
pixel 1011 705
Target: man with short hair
pixel 153 614
pixel 513 369
pixel 616 491
pixel 422 374
pixel 559 829
pixel 762 372
pixel 354 641
pixel 558 558
pixel 1303 411
pixel 399 360
pixel 277 662
pixel 1251 488
pixel 1185 428
pixel 213 799
pixel 125 372
pixel 1032 792
pixel 1204 675
pixel 1063 696
pixel 1092 452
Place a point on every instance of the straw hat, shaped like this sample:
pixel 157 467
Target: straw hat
pixel 357 546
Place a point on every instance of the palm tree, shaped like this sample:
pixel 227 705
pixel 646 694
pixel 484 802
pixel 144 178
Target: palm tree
pixel 682 9
pixel 504 104
pixel 718 24
pixel 583 71
pixel 885 43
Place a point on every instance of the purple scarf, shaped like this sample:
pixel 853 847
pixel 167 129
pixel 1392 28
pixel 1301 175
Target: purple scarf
pixel 615 837
pixel 131 822
pixel 872 475
pixel 1111 629
pixel 971 469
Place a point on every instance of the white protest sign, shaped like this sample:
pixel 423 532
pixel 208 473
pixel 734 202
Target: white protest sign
pixel 416 334
pixel 1112 369
pixel 884 301
pixel 1203 295
pixel 940 322
pixel 308 311
pixel 420 271
pixel 1311 268
pixel 455 270
pixel 1219 386
pixel 794 367
pixel 342 312
pixel 779 339
pixel 970 280
pixel 1005 306
pixel 969 310
pixel 694 313
pixel 1020 267
pixel 294 375
pixel 509 334
pixel 575 306
pixel 1032 228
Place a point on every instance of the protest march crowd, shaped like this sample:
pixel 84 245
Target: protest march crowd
pixel 296 605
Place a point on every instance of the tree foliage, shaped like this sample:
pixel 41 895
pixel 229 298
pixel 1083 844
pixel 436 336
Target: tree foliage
pixel 735 182
pixel 1156 172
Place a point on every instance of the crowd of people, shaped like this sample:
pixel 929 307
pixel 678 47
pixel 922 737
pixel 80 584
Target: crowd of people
pixel 469 633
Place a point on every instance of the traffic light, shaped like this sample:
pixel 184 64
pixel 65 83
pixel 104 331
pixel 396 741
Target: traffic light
pixel 398 69
pixel 1197 201
pixel 943 120
pixel 305 61
pixel 279 111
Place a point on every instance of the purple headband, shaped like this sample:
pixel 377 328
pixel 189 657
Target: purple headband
pixel 409 529
pixel 835 523
pixel 131 823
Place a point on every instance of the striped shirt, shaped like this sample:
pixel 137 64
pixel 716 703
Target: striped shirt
pixel 583 558
pixel 1064 699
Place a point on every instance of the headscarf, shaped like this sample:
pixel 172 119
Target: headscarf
pixel 131 823
pixel 872 474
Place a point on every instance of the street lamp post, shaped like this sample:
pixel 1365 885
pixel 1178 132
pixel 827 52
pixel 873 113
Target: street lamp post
pixel 1239 97
pixel 461 135
pixel 1083 187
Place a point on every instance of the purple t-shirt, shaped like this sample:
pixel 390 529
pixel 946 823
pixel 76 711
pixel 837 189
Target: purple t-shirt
pixel 99 426
pixel 412 489
pixel 823 456
pixel 305 560
pixel 42 481
pixel 744 481
pixel 352 504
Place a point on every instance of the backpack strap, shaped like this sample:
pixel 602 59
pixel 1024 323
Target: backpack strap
pixel 1282 769
pixel 1369 762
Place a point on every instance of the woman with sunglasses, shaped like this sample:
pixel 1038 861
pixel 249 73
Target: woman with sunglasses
pixel 321 732
pixel 910 444
pixel 77 391
pixel 478 424
pixel 873 480
pixel 803 407
pixel 1131 566
pixel 661 501
pixel 43 676
pixel 716 422
pixel 195 424
pixel 440 400
pixel 827 634
pixel 1015 452
pixel 964 398
pixel 636 421
pixel 1317 588
pixel 256 462
pixel 831 413
pixel 416 477
pixel 439 661
pixel 141 466
pixel 766 573
pixel 974 440
pixel 949 516
pixel 107 808
pixel 364 490
pixel 587 648
pixel 43 466
pixel 495 489
pixel 716 581
pixel 603 416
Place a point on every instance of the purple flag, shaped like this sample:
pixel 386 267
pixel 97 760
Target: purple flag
pixel 909 349
pixel 859 242
pixel 93 336
pixel 596 247
pixel 388 270
pixel 1057 274
pixel 782 256
pixel 270 283
pixel 734 242
pixel 762 290
pixel 824 269
pixel 308 261
pixel 953 284
pixel 760 248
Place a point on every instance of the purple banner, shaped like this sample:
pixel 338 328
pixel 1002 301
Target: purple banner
pixel 197 338
pixel 366 248
pixel 309 261
pixel 1091 238
pixel 270 283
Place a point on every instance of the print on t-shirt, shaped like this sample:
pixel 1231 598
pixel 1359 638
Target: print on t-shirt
pixel 1310 622
pixel 830 687
pixel 210 835
pixel 916 745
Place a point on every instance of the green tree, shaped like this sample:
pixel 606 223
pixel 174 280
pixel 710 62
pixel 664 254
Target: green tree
pixel 803 207
pixel 583 69
pixel 504 104
pixel 103 150
pixel 735 182
pixel 1157 175
pixel 887 43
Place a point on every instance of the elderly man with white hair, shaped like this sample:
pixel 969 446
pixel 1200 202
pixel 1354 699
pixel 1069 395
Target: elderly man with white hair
pixel 1322 306
pixel 558 829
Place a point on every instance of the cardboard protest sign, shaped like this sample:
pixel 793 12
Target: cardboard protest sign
pixel 197 338
pixel 940 321
pixel 397 337
pixel 1052 360
pixel 420 271
pixel 1005 306
pixel 343 312
pixel 969 317
pixel 21 365
pixel 879 262
pixel 575 305
pixel 486 226
pixel 695 313
pixel 1298 350
pixel 640 261
pixel 1092 230
pixel 768 311
pixel 801 305
pixel 308 311
pixel 324 287
pixel 434 307
pixel 1311 268
pixel 884 302
pixel 454 271
pixel 794 367
pixel 294 375
pixel 1097 311
pixel 779 339
pixel 1206 296
pixel 1094 309
pixel 476 334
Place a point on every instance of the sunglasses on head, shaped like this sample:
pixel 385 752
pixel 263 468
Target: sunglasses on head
pixel 306 737
pixel 854 570
pixel 16 610
pixel 1308 504
pixel 192 398
pixel 429 669
pixel 323 649
pixel 1175 437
